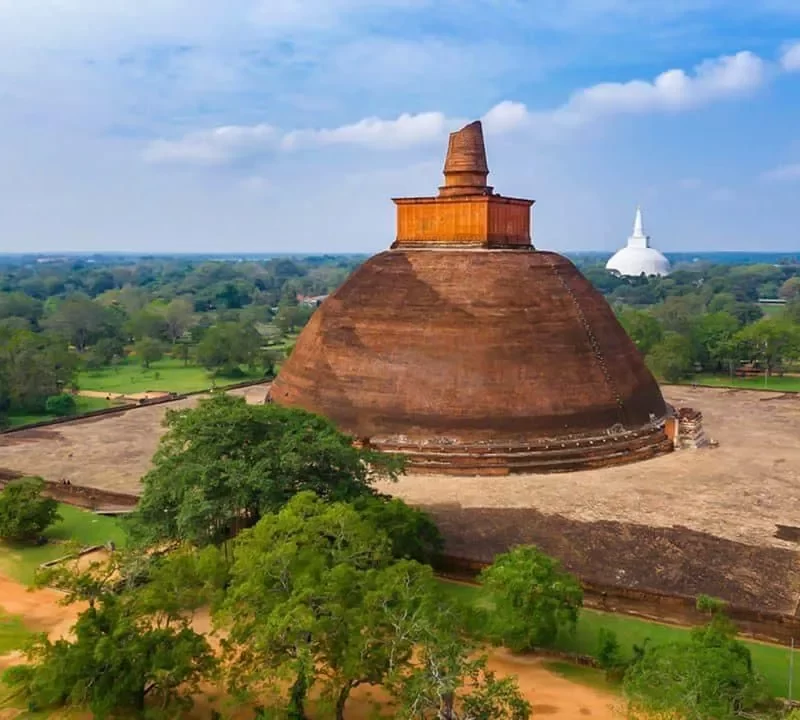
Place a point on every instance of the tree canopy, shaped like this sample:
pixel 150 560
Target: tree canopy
pixel 223 465
pixel 24 511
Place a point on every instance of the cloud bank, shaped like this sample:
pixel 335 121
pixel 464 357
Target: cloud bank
pixel 675 90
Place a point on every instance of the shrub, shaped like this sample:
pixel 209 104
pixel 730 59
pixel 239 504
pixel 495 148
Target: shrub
pixel 61 405
pixel 533 599
pixel 24 512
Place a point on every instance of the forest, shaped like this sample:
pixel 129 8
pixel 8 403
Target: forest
pixel 76 333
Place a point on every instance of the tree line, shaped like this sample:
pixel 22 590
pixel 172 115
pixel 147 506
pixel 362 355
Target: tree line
pixel 59 318
pixel 318 585
pixel 707 318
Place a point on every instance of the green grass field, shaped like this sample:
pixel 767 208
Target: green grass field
pixel 169 375
pixel 21 561
pixel 13 633
pixel 784 384
pixel 771 661
pixel 84 405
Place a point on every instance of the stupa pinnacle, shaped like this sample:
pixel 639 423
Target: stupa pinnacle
pixel 466 212
pixel 469 351
pixel 638 257
pixel 465 167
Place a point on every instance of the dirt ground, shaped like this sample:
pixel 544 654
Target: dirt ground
pixel 109 452
pixel 549 694
pixel 740 490
pixel 722 521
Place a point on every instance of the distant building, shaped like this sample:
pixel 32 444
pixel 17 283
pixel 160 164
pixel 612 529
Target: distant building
pixel 637 257
pixel 311 300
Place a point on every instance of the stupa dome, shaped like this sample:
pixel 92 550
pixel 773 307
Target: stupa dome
pixel 470 351
pixel 637 257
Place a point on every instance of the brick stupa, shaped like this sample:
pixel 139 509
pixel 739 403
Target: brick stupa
pixel 470 351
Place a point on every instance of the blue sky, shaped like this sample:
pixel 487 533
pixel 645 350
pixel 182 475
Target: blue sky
pixel 287 125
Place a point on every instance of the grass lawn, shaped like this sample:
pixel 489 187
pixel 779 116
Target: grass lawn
pixel 786 384
pixel 83 405
pixel 169 375
pixel 13 633
pixel 21 561
pixel 771 661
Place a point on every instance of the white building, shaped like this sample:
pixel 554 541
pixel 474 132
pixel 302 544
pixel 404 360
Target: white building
pixel 637 256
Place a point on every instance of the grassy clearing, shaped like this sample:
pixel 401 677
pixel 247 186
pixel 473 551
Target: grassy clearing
pixel 168 375
pixel 771 661
pixel 83 405
pixel 13 633
pixel 21 561
pixel 783 384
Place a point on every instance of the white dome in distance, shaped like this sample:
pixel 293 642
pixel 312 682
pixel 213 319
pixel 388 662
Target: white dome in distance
pixel 637 257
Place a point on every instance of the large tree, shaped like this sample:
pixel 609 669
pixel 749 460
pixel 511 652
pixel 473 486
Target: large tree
pixel 316 602
pixel 222 465
pixel 532 598
pixel 24 511
pixel 227 345
pixel 130 651
pixel 771 340
pixel 708 676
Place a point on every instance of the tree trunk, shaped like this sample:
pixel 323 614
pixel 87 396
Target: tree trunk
pixel 344 693
pixel 297 698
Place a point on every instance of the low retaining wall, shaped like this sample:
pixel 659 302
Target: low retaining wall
pixel 657 606
pixel 78 495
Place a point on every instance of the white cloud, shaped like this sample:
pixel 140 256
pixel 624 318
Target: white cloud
pixel 783 173
pixel 505 116
pixel 405 131
pixel 671 91
pixel 790 58
pixel 214 147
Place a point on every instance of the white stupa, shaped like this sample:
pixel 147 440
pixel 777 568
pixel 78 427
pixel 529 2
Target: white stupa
pixel 637 257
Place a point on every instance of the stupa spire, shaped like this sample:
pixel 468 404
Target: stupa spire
pixel 465 167
pixel 638 238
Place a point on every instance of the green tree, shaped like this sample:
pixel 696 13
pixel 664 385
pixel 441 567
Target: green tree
pixel 81 321
pixel 771 341
pixel 148 323
pixel 671 359
pixel 33 367
pixel 130 651
pixel 642 327
pixel 712 335
pixel 222 465
pixel 412 533
pixel 105 351
pixel 532 598
pixel 708 676
pixel 61 405
pixel 446 681
pixel 791 288
pixel 225 346
pixel 148 351
pixel 178 315
pixel 315 601
pixel 24 511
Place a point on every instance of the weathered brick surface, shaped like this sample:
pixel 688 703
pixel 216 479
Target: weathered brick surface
pixel 474 349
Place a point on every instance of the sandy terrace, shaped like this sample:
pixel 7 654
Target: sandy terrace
pixel 740 490
pixel 721 521
pixel 110 452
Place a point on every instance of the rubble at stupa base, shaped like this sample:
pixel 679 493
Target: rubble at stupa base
pixel 687 429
